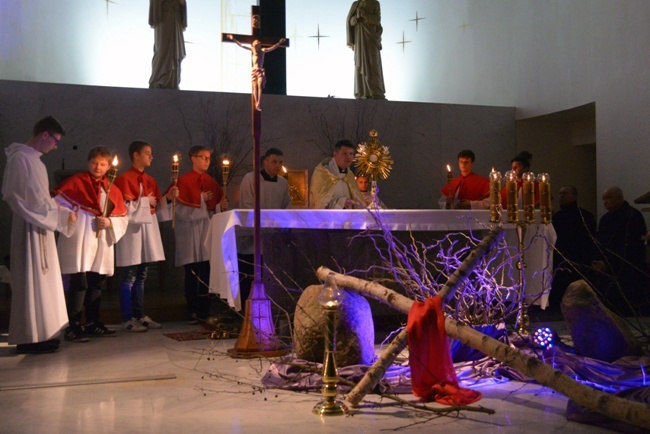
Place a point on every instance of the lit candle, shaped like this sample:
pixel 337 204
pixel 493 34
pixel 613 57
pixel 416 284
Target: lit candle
pixel 111 175
pixel 225 172
pixel 495 196
pixel 175 182
pixel 450 193
pixel 511 196
pixel 528 196
pixel 285 173
pixel 545 209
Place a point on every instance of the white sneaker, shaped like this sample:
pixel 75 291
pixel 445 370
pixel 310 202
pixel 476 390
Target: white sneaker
pixel 149 323
pixel 133 325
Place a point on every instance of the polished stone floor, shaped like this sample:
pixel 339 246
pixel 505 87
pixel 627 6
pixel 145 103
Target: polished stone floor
pixel 149 383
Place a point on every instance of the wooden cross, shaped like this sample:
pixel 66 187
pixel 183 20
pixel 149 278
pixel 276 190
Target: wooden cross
pixel 258 334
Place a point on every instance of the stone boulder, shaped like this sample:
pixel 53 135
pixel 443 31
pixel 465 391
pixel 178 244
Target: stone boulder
pixel 597 332
pixel 355 331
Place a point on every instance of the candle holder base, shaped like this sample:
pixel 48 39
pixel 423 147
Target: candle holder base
pixel 331 408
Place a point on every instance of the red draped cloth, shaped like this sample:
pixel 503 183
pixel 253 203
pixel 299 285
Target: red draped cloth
pixel 432 372
pixel 190 186
pixel 129 183
pixel 84 191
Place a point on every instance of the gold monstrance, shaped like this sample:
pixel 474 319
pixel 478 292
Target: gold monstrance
pixel 373 160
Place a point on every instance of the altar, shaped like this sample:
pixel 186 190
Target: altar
pixel 222 245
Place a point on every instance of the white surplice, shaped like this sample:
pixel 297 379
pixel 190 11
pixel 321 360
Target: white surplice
pixel 142 242
pixel 38 309
pixel 84 251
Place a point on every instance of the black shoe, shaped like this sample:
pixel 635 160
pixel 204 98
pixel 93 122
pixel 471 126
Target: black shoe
pixel 98 329
pixel 37 348
pixel 75 334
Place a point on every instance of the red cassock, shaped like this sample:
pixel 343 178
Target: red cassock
pixel 432 372
pixel 84 191
pixel 470 187
pixel 129 183
pixel 190 186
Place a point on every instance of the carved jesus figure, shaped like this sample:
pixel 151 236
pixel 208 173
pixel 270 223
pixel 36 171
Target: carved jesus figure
pixel 258 76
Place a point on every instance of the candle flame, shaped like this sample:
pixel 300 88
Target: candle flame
pixel 492 168
pixel 115 161
pixel 175 158
pixel 225 162
pixel 284 169
pixel 448 168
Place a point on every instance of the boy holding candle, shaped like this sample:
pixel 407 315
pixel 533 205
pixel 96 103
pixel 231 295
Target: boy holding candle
pixel 467 191
pixel 199 197
pixel 87 256
pixel 141 244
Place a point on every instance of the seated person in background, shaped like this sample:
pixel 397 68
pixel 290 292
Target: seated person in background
pixel 520 164
pixel 366 191
pixel 575 245
pixel 274 194
pixel 332 183
pixel 467 191
pixel 621 262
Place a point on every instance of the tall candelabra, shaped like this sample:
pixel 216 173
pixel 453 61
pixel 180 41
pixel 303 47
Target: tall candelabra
pixel 330 297
pixel 111 174
pixel 512 208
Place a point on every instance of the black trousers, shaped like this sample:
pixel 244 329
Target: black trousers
pixel 197 277
pixel 85 291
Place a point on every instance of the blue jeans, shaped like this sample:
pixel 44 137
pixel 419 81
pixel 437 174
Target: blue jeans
pixel 132 291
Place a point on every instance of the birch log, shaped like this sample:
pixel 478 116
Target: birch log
pixel 633 413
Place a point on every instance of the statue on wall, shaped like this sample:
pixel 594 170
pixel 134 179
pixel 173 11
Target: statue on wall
pixel 168 19
pixel 364 37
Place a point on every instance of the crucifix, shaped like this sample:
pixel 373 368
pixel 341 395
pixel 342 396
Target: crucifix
pixel 257 336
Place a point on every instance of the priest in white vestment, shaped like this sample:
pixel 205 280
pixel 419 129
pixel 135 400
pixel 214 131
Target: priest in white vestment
pixel 38 311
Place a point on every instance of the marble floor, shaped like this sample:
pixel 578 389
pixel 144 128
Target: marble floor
pixel 149 383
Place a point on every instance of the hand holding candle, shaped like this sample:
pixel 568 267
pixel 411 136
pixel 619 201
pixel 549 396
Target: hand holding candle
pixel 495 196
pixel 528 196
pixel 111 175
pixel 545 209
pixel 450 193
pixel 175 183
pixel 512 204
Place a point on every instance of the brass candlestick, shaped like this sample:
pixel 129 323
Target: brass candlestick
pixel 330 298
pixel 111 175
pixel 545 208
pixel 495 196
pixel 175 184
pixel 512 205
pixel 523 321
pixel 225 173
pixel 528 196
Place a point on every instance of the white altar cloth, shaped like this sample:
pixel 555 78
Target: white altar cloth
pixel 221 239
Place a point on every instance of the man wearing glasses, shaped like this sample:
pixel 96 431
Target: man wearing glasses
pixel 199 197
pixel 38 311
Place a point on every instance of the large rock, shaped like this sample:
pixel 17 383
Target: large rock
pixel 597 332
pixel 355 331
